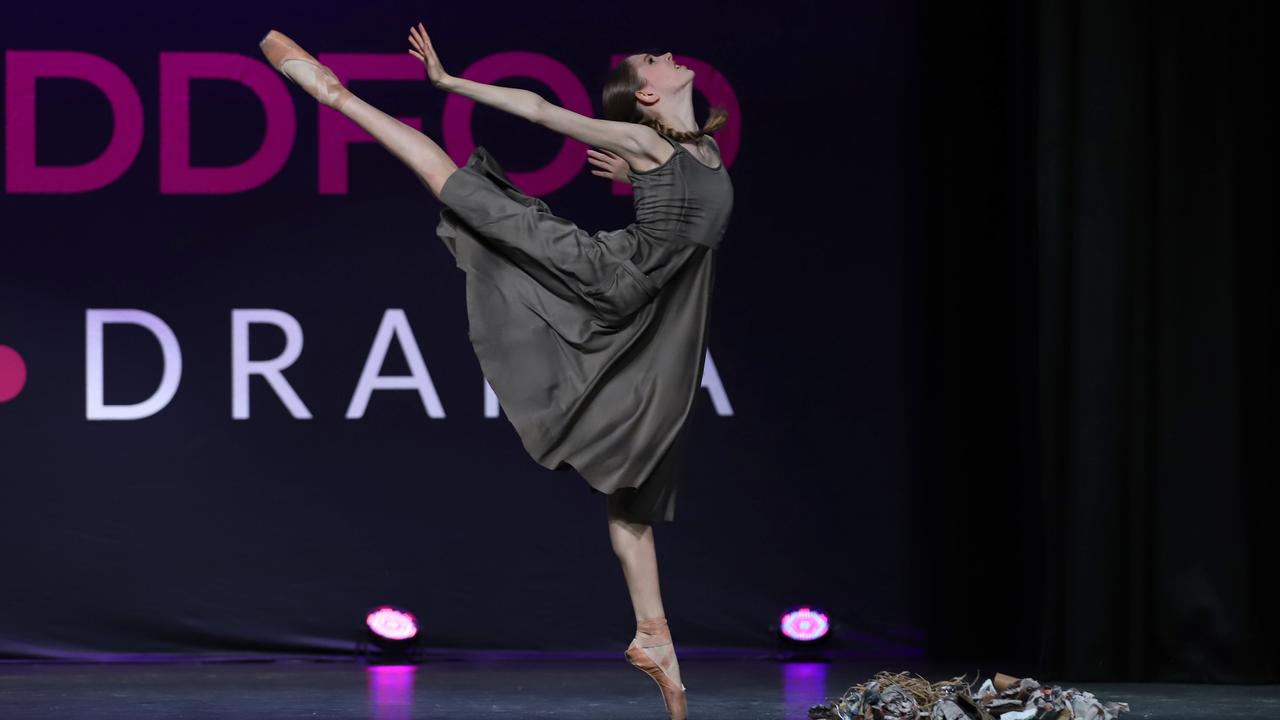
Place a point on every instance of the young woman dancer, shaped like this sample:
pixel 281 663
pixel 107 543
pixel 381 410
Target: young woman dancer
pixel 593 343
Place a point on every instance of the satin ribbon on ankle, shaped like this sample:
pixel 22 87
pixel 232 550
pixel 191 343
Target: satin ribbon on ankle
pixel 656 632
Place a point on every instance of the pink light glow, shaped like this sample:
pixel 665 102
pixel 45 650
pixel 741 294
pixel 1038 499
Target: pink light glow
pixel 391 692
pixel 392 624
pixel 13 373
pixel 805 624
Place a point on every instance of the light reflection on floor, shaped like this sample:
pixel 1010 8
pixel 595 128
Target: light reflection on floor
pixel 391 691
pixel 804 684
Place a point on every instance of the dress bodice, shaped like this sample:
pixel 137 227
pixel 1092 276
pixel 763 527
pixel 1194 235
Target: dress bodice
pixel 679 203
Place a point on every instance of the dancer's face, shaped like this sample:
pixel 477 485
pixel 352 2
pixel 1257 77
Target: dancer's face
pixel 662 75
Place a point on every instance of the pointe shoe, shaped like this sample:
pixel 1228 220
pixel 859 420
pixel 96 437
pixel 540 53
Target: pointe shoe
pixel 319 81
pixel 657 634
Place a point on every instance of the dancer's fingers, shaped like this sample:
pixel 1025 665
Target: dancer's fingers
pixel 417 40
pixel 424 42
pixel 420 43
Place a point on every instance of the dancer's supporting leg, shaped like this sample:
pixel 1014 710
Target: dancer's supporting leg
pixel 633 544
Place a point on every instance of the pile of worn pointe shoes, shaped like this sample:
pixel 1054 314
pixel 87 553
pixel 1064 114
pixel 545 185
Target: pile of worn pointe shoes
pixel 899 696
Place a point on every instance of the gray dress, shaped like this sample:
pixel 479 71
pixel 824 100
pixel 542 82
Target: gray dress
pixel 593 343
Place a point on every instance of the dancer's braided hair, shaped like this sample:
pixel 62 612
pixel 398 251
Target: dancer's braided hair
pixel 620 104
pixel 716 119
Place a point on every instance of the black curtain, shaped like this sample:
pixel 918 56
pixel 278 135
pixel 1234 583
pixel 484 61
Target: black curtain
pixel 1096 312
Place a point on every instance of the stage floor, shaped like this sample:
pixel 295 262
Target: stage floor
pixel 719 689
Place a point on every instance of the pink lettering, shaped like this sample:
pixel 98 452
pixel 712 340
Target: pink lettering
pixel 335 131
pixel 177 70
pixel 22 175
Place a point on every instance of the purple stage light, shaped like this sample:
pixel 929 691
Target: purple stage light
pixel 804 624
pixel 393 632
pixel 392 623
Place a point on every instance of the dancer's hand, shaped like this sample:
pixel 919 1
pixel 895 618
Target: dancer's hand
pixel 423 50
pixel 613 166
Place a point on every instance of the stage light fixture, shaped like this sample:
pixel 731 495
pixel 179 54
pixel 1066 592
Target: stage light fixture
pixel 803 633
pixel 804 624
pixel 394 631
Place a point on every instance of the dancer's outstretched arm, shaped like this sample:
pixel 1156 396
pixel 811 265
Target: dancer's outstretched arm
pixel 623 138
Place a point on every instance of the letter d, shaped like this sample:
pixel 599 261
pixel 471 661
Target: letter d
pixel 22 68
pixel 95 409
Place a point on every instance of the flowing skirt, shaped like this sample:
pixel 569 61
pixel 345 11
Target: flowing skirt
pixel 594 362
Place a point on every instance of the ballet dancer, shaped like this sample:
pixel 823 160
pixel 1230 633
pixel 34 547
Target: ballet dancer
pixel 594 343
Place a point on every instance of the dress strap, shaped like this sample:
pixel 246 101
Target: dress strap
pixel 676 144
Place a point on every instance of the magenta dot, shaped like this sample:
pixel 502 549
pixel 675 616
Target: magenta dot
pixel 13 373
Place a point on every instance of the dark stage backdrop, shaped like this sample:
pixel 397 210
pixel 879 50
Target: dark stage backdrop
pixel 199 266
pixel 1097 344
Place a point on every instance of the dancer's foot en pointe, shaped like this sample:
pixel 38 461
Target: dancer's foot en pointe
pixel 653 652
pixel 296 64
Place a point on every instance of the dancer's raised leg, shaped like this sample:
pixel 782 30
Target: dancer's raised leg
pixel 634 546
pixel 429 161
